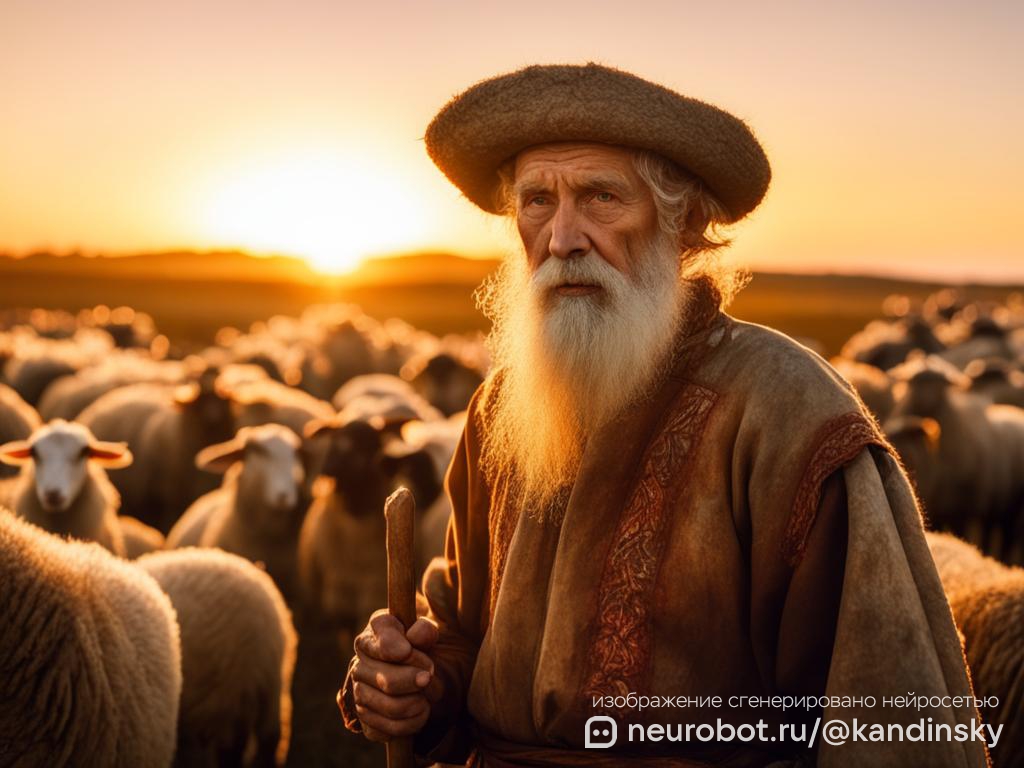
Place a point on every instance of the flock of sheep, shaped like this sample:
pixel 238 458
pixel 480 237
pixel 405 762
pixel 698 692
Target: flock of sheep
pixel 233 499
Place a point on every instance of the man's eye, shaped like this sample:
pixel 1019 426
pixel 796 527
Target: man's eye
pixel 537 200
pixel 604 197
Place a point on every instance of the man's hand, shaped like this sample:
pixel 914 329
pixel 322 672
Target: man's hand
pixel 393 676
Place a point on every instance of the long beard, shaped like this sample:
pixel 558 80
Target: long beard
pixel 570 364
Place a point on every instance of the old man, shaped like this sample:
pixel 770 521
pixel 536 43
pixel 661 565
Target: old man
pixel 663 516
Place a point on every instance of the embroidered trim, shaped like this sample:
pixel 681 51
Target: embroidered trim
pixel 837 442
pixel 619 656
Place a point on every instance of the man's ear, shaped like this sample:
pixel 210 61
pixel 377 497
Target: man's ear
pixel 694 225
pixel 16 453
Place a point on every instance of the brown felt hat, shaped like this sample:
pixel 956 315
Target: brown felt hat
pixel 490 123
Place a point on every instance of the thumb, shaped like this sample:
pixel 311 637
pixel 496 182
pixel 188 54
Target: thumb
pixel 423 634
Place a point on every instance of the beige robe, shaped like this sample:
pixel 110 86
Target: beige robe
pixel 743 531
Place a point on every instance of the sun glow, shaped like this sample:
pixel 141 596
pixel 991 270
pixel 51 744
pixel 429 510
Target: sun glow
pixel 330 208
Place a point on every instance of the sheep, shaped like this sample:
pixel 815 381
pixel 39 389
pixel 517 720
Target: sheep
pixel 237 655
pixel 973 335
pixel 971 470
pixel 37 362
pixel 445 381
pixel 18 420
pixel 68 396
pixel 342 538
pixel 165 427
pixel 348 350
pixel 886 344
pixel 121 415
pixel 987 599
pixel 257 512
pixel 996 380
pixel 372 385
pixel 90 662
pixel 62 487
pixel 342 566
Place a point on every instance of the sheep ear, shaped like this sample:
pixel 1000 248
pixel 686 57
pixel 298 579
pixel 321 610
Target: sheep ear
pixel 186 393
pixel 110 455
pixel 317 427
pixel 16 453
pixel 219 458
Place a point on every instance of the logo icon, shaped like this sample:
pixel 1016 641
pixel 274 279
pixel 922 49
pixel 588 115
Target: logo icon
pixel 601 732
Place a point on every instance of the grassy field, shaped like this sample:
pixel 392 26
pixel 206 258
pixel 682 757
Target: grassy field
pixel 239 290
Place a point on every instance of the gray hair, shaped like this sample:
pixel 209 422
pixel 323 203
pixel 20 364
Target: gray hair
pixel 687 211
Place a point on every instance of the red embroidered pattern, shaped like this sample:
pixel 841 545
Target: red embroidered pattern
pixel 837 442
pixel 619 656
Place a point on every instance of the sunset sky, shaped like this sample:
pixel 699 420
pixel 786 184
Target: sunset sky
pixel 894 128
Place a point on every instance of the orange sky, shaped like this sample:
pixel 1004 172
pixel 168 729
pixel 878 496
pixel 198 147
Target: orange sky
pixel 893 128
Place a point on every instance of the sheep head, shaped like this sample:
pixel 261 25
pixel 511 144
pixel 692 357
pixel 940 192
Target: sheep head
pixel 271 469
pixel 60 454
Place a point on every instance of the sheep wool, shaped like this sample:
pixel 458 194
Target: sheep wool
pixel 92 516
pixel 90 664
pixel 987 599
pixel 238 651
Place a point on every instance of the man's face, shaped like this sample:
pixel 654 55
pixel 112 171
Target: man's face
pixel 574 198
pixel 585 321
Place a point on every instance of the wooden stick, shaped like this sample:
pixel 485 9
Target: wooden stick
pixel 399 514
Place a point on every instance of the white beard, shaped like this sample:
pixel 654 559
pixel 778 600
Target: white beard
pixel 570 364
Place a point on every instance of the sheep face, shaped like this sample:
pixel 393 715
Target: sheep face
pixel 60 453
pixel 366 462
pixel 270 469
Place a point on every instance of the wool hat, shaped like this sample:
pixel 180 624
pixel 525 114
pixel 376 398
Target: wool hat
pixel 491 122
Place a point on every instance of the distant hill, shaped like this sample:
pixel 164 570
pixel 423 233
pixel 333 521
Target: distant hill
pixel 423 268
pixel 171 265
pixel 419 268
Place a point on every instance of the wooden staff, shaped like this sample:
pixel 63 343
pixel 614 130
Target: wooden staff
pixel 399 514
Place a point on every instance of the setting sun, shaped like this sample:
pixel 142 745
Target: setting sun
pixel 329 208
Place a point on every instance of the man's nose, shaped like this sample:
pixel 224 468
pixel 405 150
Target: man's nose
pixel 568 240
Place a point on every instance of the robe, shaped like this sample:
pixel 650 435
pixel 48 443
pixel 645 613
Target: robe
pixel 743 530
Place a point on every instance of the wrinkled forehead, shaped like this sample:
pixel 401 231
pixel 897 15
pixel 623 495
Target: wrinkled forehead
pixel 583 160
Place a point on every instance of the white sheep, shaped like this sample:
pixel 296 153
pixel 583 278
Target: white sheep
pixel 90 663
pixel 63 488
pixel 987 599
pixel 257 512
pixel 237 656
